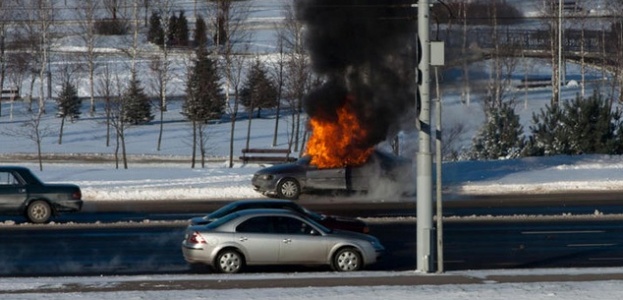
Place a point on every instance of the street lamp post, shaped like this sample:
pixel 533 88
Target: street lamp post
pixel 424 156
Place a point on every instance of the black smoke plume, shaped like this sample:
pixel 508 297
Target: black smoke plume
pixel 365 50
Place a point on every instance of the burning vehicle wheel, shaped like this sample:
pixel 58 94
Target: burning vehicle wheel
pixel 289 188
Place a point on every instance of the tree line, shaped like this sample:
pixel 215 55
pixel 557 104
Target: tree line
pixel 219 80
pixel 221 76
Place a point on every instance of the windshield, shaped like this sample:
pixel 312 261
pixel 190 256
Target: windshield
pixel 319 226
pixel 225 210
pixel 220 221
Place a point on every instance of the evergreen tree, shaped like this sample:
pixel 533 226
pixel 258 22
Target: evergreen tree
pixel 201 33
pixel 205 97
pixel 156 33
pixel 137 107
pixel 68 102
pixel 172 30
pixel 592 124
pixel 549 136
pixel 501 136
pixel 581 126
pixel 258 91
pixel 178 30
pixel 182 31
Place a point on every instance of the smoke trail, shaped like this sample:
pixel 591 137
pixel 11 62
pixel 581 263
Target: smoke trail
pixel 365 49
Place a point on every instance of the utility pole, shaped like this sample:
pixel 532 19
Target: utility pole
pixel 424 156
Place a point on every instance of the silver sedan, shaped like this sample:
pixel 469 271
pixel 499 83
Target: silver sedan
pixel 276 237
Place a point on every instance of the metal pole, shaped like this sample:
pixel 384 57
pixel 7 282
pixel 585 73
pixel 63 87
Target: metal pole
pixel 558 88
pixel 424 157
pixel 438 182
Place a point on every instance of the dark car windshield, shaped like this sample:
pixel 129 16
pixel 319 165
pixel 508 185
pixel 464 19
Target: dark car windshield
pixel 220 221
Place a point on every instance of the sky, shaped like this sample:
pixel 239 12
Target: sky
pixel 166 174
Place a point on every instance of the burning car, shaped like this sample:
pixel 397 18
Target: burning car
pixel 382 174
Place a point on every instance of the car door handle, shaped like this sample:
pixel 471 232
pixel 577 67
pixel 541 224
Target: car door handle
pixel 21 190
pixel 287 241
pixel 243 239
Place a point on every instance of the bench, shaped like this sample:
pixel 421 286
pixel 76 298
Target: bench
pixel 10 94
pixel 270 155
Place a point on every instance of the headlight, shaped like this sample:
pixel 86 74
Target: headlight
pixel 377 245
pixel 266 177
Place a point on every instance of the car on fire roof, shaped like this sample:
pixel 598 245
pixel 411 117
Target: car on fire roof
pixel 333 222
pixel 21 192
pixel 383 174
pixel 276 237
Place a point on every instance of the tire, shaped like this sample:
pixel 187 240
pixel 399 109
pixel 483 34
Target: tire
pixel 347 260
pixel 229 261
pixel 289 188
pixel 38 212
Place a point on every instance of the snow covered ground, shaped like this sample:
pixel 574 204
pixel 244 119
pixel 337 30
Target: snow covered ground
pixel 488 284
pixel 165 174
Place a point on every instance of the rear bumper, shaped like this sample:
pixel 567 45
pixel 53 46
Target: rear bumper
pixel 68 205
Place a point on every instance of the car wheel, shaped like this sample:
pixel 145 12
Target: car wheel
pixel 288 188
pixel 347 260
pixel 38 211
pixel 229 261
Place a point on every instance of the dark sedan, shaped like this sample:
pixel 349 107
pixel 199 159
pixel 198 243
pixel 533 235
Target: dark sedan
pixel 383 174
pixel 333 222
pixel 21 192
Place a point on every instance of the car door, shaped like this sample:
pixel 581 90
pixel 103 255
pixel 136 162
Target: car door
pixel 301 243
pixel 12 192
pixel 258 240
pixel 326 179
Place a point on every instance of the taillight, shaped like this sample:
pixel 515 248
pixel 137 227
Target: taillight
pixel 77 195
pixel 366 229
pixel 196 238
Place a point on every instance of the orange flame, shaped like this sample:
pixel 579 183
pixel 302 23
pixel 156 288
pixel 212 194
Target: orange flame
pixel 338 143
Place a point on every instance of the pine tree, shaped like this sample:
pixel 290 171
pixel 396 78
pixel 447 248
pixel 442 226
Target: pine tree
pixel 172 30
pixel 258 91
pixel 137 106
pixel 182 32
pixel 205 97
pixel 68 102
pixel 156 33
pixel 549 136
pixel 201 33
pixel 580 126
pixel 592 124
pixel 501 136
pixel 178 30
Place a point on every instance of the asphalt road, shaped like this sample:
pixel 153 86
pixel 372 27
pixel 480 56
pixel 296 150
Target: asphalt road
pixel 143 237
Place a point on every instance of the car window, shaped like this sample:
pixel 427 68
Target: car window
pixel 256 225
pixel 7 178
pixel 290 225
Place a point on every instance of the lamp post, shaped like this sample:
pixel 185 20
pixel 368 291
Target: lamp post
pixel 424 156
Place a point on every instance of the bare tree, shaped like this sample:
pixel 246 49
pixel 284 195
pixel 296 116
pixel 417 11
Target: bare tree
pixel 227 19
pixel 33 130
pixel 550 10
pixel 40 21
pixel 279 77
pixel 161 66
pixel 6 11
pixel 105 89
pixel 615 45
pixel 87 17
pixel 19 68
pixel 299 77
